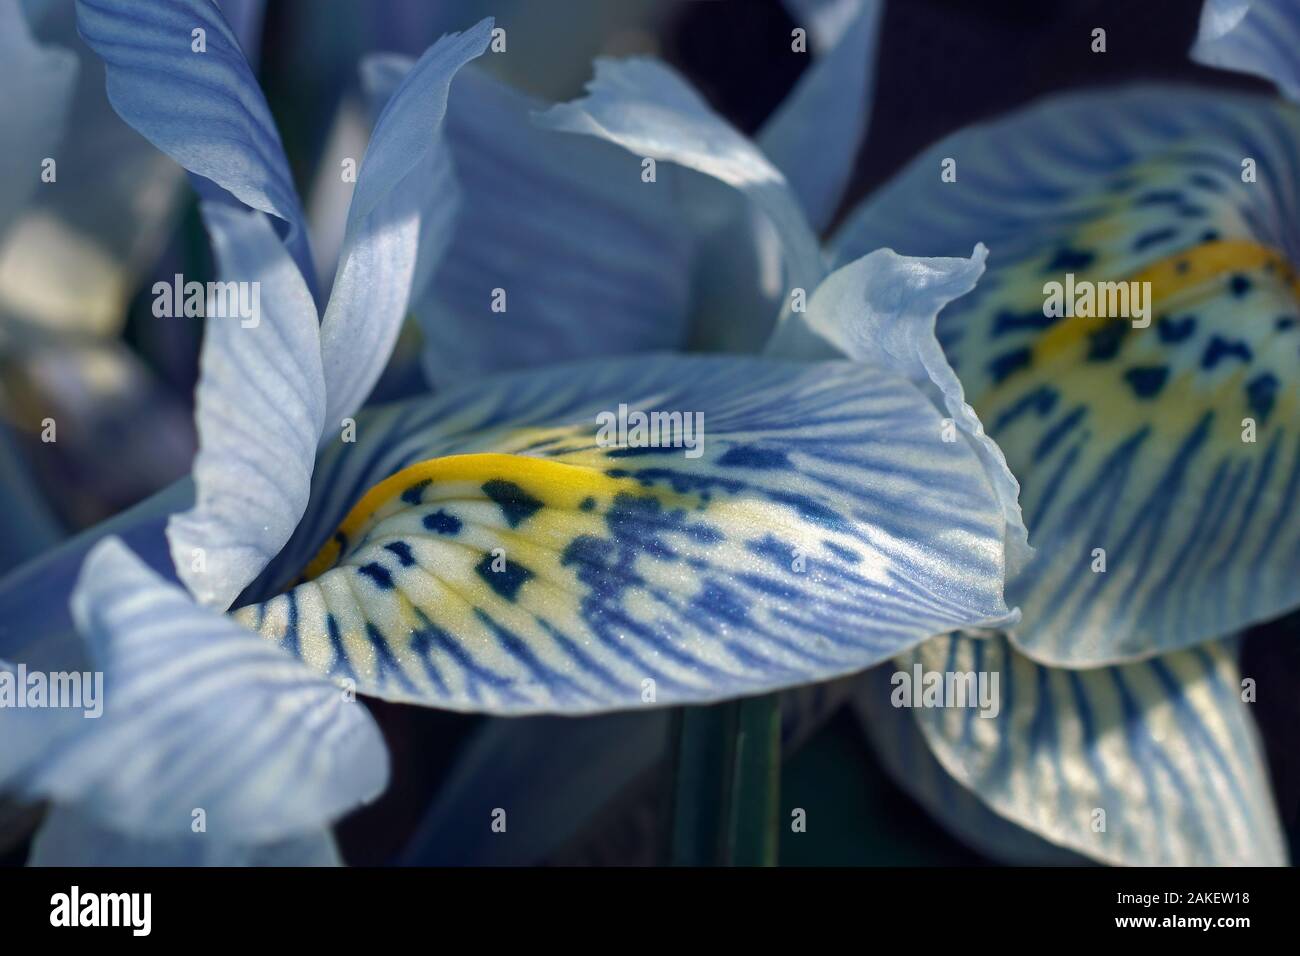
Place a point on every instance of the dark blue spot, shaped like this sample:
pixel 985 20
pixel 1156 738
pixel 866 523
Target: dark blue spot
pixel 1203 181
pixel 1173 331
pixel 1158 197
pixel 1210 235
pixel 1008 321
pixel 1041 400
pixel 415 494
pixel 505 582
pixel 1261 392
pixel 442 523
pixel 1239 285
pixel 1154 237
pixel 377 573
pixel 516 504
pixel 403 552
pixel 587 503
pixel 751 456
pixel 1103 344
pixel 1067 259
pixel 1009 362
pixel 1284 322
pixel 1219 349
pixel 1148 380
pixel 634 451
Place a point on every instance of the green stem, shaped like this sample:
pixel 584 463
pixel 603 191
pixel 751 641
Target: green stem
pixel 726 787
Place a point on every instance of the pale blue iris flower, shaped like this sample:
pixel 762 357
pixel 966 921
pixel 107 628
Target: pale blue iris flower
pixel 844 506
pixel 1124 732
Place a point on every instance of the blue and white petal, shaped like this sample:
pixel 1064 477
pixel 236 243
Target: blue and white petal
pixel 202 108
pixel 36 84
pixel 260 410
pixel 1260 37
pixel 516 554
pixel 1158 461
pixel 404 200
pixel 814 135
pixel 200 715
pixel 652 112
pixel 1154 763
pixel 589 260
pixel 70 837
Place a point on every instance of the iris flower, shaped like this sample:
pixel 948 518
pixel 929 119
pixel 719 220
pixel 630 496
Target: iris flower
pixel 483 548
pixel 1159 466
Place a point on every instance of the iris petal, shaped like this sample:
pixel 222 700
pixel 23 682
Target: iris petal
pixel 202 108
pixel 521 565
pixel 1252 36
pixel 1155 763
pixel 1158 464
pixel 201 715
pixel 260 408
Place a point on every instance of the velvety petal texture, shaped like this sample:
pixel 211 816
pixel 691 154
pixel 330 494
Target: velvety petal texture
pixel 1153 432
pixel 1252 36
pixel 1154 764
pixel 36 84
pixel 201 715
pixel 517 552
pixel 260 408
pixel 814 135
pixel 403 176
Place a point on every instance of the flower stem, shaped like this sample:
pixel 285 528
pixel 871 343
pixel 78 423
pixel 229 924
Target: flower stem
pixel 727 783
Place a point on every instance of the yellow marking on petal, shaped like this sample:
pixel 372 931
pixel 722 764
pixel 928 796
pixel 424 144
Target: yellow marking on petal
pixel 1169 278
pixel 558 485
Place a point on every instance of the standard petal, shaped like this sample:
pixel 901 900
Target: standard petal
pixel 521 556
pixel 813 137
pixel 1260 37
pixel 36 86
pixel 202 107
pixel 404 199
pixel 1154 763
pixel 260 408
pixel 200 715
pixel 69 836
pixel 1157 450
pixel 649 110
pixel 588 260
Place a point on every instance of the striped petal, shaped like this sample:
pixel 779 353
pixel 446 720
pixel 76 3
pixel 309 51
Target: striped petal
pixel 903 750
pixel 36 84
pixel 649 110
pixel 813 138
pixel 1155 763
pixel 70 837
pixel 404 199
pixel 202 715
pixel 27 732
pixel 1260 37
pixel 203 108
pixel 588 259
pixel 515 555
pixel 1158 461
pixel 260 408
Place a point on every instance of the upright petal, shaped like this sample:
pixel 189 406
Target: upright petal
pixel 404 198
pixel 1261 37
pixel 589 260
pixel 36 86
pixel 653 113
pixel 260 409
pixel 813 137
pixel 200 715
pixel 1156 439
pixel 177 75
pixel 1154 764
pixel 519 553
